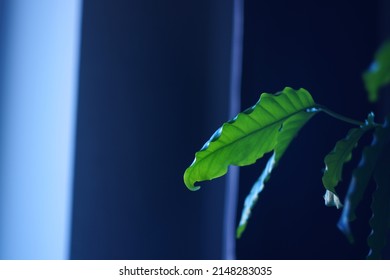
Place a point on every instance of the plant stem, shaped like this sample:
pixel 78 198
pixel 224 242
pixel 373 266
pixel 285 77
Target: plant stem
pixel 339 117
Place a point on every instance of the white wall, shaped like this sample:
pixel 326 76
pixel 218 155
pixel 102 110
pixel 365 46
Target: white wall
pixel 38 97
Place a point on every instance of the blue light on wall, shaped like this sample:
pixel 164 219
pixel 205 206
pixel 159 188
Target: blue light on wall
pixel 38 97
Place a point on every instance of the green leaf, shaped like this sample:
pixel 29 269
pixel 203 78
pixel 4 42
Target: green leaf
pixel 378 74
pixel 340 154
pixel 380 201
pixel 336 159
pixel 253 195
pixel 361 177
pixel 251 134
pixel 286 134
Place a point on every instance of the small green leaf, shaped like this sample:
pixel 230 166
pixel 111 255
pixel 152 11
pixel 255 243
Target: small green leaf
pixel 335 160
pixel 361 177
pixel 340 154
pixel 380 202
pixel 378 74
pixel 251 134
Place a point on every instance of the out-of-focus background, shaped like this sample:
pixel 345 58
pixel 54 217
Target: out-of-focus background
pixel 104 103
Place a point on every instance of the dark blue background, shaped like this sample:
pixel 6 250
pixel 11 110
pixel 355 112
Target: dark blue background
pixel 154 83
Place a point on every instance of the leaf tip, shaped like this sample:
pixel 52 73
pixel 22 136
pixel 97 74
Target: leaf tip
pixel 240 230
pixel 344 227
pixel 193 188
pixel 190 183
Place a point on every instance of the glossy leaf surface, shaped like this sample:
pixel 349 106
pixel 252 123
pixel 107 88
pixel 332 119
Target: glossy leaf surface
pixel 251 134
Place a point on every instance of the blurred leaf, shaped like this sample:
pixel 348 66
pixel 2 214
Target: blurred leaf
pixel 361 177
pixel 380 201
pixel 269 125
pixel 378 74
pixel 336 159
pixel 253 195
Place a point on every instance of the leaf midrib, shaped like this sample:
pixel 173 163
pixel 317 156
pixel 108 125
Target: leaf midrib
pixel 257 130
